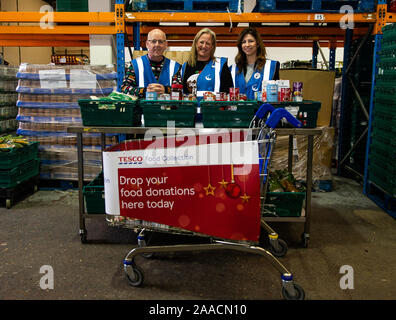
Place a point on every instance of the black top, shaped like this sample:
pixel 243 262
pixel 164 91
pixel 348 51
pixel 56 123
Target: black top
pixel 225 78
pixel 276 74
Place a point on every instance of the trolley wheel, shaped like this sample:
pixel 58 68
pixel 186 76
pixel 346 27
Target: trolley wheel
pixel 8 203
pixel 83 237
pixel 137 278
pixel 299 290
pixel 281 252
pixel 304 240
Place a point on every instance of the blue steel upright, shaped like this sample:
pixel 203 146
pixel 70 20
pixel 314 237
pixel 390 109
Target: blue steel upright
pixel 120 43
pixel 377 48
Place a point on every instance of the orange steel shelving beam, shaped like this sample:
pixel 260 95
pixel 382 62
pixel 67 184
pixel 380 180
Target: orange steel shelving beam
pixel 71 29
pixel 23 28
pixel 273 17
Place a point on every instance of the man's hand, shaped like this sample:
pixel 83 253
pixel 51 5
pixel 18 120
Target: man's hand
pixel 156 87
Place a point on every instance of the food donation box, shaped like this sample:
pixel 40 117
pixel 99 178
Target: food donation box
pixel 213 189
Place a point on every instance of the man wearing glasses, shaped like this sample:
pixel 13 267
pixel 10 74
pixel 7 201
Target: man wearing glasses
pixel 152 72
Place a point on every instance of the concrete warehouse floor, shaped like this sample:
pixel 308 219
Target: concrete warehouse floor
pixel 347 229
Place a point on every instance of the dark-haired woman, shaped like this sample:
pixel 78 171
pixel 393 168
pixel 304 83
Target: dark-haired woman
pixel 251 66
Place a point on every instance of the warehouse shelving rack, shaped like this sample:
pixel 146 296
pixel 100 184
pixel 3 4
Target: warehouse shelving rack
pixel 72 29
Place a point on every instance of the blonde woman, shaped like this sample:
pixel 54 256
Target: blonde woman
pixel 206 71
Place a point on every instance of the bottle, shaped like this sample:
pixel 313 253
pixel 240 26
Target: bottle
pixel 177 92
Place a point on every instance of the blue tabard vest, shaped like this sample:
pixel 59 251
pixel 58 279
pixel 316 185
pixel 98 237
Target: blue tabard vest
pixel 255 82
pixel 209 78
pixel 145 76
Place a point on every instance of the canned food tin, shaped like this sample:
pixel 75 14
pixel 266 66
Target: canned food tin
pixel 284 94
pixel 234 94
pixel 221 96
pixel 297 91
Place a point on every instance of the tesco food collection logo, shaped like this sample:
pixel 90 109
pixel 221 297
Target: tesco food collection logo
pixel 130 160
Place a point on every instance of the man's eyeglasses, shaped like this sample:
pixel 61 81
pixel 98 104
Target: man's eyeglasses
pixel 157 41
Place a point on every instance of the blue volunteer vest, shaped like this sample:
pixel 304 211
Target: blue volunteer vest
pixel 209 78
pixel 255 82
pixel 145 76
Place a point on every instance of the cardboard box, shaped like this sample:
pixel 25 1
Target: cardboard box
pixel 178 56
pixel 318 85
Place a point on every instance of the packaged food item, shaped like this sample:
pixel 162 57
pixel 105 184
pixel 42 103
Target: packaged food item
pixel 234 94
pixel 242 97
pixel 221 96
pixel 297 91
pixel 209 96
pixel 283 90
pixel 177 92
pixel 151 95
pixel 284 94
pixel 272 91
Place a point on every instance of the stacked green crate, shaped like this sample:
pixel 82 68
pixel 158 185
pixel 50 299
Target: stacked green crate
pixel 19 168
pixel 382 157
pixel 8 98
pixel 72 5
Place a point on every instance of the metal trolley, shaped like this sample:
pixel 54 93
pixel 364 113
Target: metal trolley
pixel 266 139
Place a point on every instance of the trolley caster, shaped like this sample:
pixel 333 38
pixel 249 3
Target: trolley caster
pixel 277 247
pixel 133 274
pixel 83 236
pixel 299 293
pixel 291 290
pixel 142 243
pixel 304 240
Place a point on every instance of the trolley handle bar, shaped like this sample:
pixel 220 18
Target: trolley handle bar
pixel 263 110
pixel 279 114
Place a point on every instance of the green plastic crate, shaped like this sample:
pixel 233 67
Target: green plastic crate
pixel 305 111
pixel 386 138
pixel 284 204
pixel 12 177
pixel 157 113
pixel 384 120
pixel 382 178
pixel 16 156
pixel 72 5
pixel 386 151
pixel 113 113
pixel 94 196
pixel 227 114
